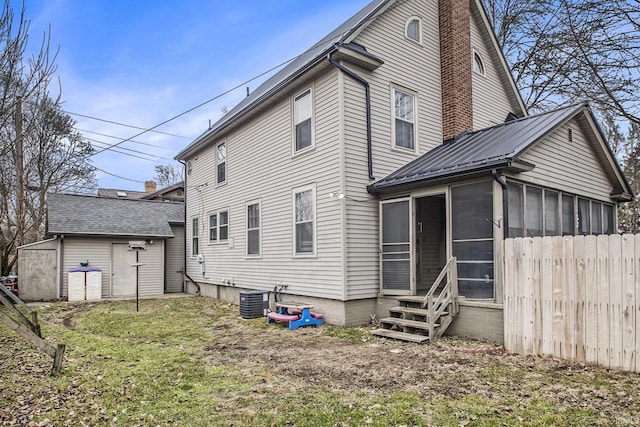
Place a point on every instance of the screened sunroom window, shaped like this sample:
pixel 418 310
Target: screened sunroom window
pixel 472 237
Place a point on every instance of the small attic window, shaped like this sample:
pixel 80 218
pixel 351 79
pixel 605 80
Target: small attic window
pixel 478 64
pixel 121 194
pixel 413 29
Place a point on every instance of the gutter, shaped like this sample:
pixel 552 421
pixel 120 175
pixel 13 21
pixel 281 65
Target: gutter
pixel 368 101
pixel 505 201
pixel 184 253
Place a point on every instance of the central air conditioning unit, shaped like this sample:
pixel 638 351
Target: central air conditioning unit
pixel 254 304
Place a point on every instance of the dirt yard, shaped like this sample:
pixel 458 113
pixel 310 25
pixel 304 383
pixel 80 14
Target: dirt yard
pixel 349 362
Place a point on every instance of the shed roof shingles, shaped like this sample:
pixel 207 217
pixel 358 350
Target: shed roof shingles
pixel 90 215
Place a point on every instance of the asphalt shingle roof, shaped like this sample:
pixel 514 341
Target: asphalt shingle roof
pixel 91 215
pixel 491 148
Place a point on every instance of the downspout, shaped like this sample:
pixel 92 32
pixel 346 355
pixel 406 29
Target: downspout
pixel 505 202
pixel 184 253
pixel 368 101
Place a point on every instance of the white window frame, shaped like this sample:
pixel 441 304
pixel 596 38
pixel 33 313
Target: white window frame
pixel 295 120
pixel 394 145
pixel 195 236
pixel 406 29
pixel 294 192
pixel 218 163
pixel 217 215
pixel 476 59
pixel 258 228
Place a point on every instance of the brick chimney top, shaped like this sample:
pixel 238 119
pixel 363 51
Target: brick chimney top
pixel 149 186
pixel 455 67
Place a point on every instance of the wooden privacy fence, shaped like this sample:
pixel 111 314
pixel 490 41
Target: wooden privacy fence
pixel 575 298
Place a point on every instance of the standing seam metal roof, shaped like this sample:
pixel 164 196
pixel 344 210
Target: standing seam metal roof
pixel 494 147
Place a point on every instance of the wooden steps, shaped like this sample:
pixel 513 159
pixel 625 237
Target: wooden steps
pixel 424 318
pixel 388 333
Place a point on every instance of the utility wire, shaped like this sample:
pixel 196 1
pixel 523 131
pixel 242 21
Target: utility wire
pixel 117 176
pixel 197 106
pixel 125 125
pixel 118 137
pixel 118 150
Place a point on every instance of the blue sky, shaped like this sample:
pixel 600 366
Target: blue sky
pixel 142 62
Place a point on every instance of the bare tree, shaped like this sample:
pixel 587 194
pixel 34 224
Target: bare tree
pixel 563 51
pixel 167 175
pixel 40 151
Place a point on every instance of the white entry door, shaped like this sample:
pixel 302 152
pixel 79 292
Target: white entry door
pixel 123 276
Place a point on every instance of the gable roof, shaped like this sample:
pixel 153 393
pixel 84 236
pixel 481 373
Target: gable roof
pixel 498 147
pixel 91 215
pixel 164 191
pixel 302 63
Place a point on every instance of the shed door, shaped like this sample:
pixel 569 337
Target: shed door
pixel 395 247
pixel 123 275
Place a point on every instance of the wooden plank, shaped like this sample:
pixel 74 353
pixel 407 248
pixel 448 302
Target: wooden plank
pixel 405 323
pixel 628 307
pixel 518 275
pixel 558 311
pixel 508 301
pixel 546 295
pixel 602 289
pixel 591 297
pixel 615 301
pixel 526 296
pixel 578 302
pixel 388 333
pixel 568 286
pixel 536 297
pixel 637 299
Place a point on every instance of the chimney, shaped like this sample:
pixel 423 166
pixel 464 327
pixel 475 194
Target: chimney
pixel 455 67
pixel 149 186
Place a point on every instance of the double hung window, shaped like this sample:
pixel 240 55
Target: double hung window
pixel 404 119
pixel 219 226
pixel 253 228
pixel 195 237
pixel 303 120
pixel 304 220
pixel 221 163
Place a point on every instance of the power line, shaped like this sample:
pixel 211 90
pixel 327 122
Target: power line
pixel 117 176
pixel 116 150
pixel 125 125
pixel 198 106
pixel 118 137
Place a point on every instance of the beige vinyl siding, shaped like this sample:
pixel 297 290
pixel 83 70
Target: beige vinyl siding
pixel 174 259
pixel 261 165
pixel 151 274
pixel 567 166
pixel 421 74
pixel 490 102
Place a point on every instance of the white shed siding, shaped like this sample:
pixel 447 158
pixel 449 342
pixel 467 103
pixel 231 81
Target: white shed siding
pixel 98 252
pixel 151 274
pixel 421 74
pixel 174 259
pixel 568 166
pixel 490 102
pixel 260 165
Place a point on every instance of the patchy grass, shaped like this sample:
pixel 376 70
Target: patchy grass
pixel 194 362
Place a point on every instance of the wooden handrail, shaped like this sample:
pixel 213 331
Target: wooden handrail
pixel 436 305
